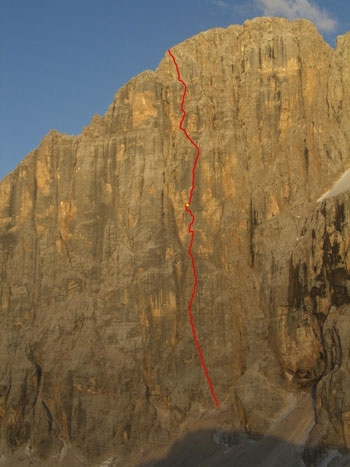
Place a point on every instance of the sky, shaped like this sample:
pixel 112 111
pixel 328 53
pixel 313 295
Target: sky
pixel 62 61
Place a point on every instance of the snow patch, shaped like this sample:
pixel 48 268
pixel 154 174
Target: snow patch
pixel 108 462
pixel 331 454
pixel 64 451
pixel 343 184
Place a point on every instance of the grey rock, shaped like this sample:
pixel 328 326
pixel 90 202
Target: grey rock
pixel 96 350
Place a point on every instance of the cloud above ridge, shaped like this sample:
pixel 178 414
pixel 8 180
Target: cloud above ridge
pixel 293 9
pixel 290 9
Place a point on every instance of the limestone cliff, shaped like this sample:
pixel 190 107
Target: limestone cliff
pixel 319 299
pixel 97 356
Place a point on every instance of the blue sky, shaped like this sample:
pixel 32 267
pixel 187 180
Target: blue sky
pixel 62 61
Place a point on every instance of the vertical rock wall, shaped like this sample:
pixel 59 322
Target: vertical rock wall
pixel 95 346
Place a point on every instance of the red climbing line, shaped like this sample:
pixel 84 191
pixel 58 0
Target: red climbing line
pixel 191 231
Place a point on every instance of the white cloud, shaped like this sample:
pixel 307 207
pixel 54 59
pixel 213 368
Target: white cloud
pixel 244 8
pixel 221 4
pixel 298 9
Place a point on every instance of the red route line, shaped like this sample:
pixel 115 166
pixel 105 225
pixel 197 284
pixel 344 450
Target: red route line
pixel 191 231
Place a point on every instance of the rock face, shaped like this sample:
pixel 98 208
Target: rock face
pixel 320 297
pixel 97 356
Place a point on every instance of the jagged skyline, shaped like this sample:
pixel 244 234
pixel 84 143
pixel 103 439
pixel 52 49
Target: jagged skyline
pixel 98 363
pixel 62 64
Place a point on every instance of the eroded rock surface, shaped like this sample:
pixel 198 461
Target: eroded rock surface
pixel 320 307
pixel 97 356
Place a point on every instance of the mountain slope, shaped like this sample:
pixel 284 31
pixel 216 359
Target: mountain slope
pixel 96 350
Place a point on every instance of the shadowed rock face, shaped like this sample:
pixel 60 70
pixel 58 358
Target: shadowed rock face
pixel 95 345
pixel 320 265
